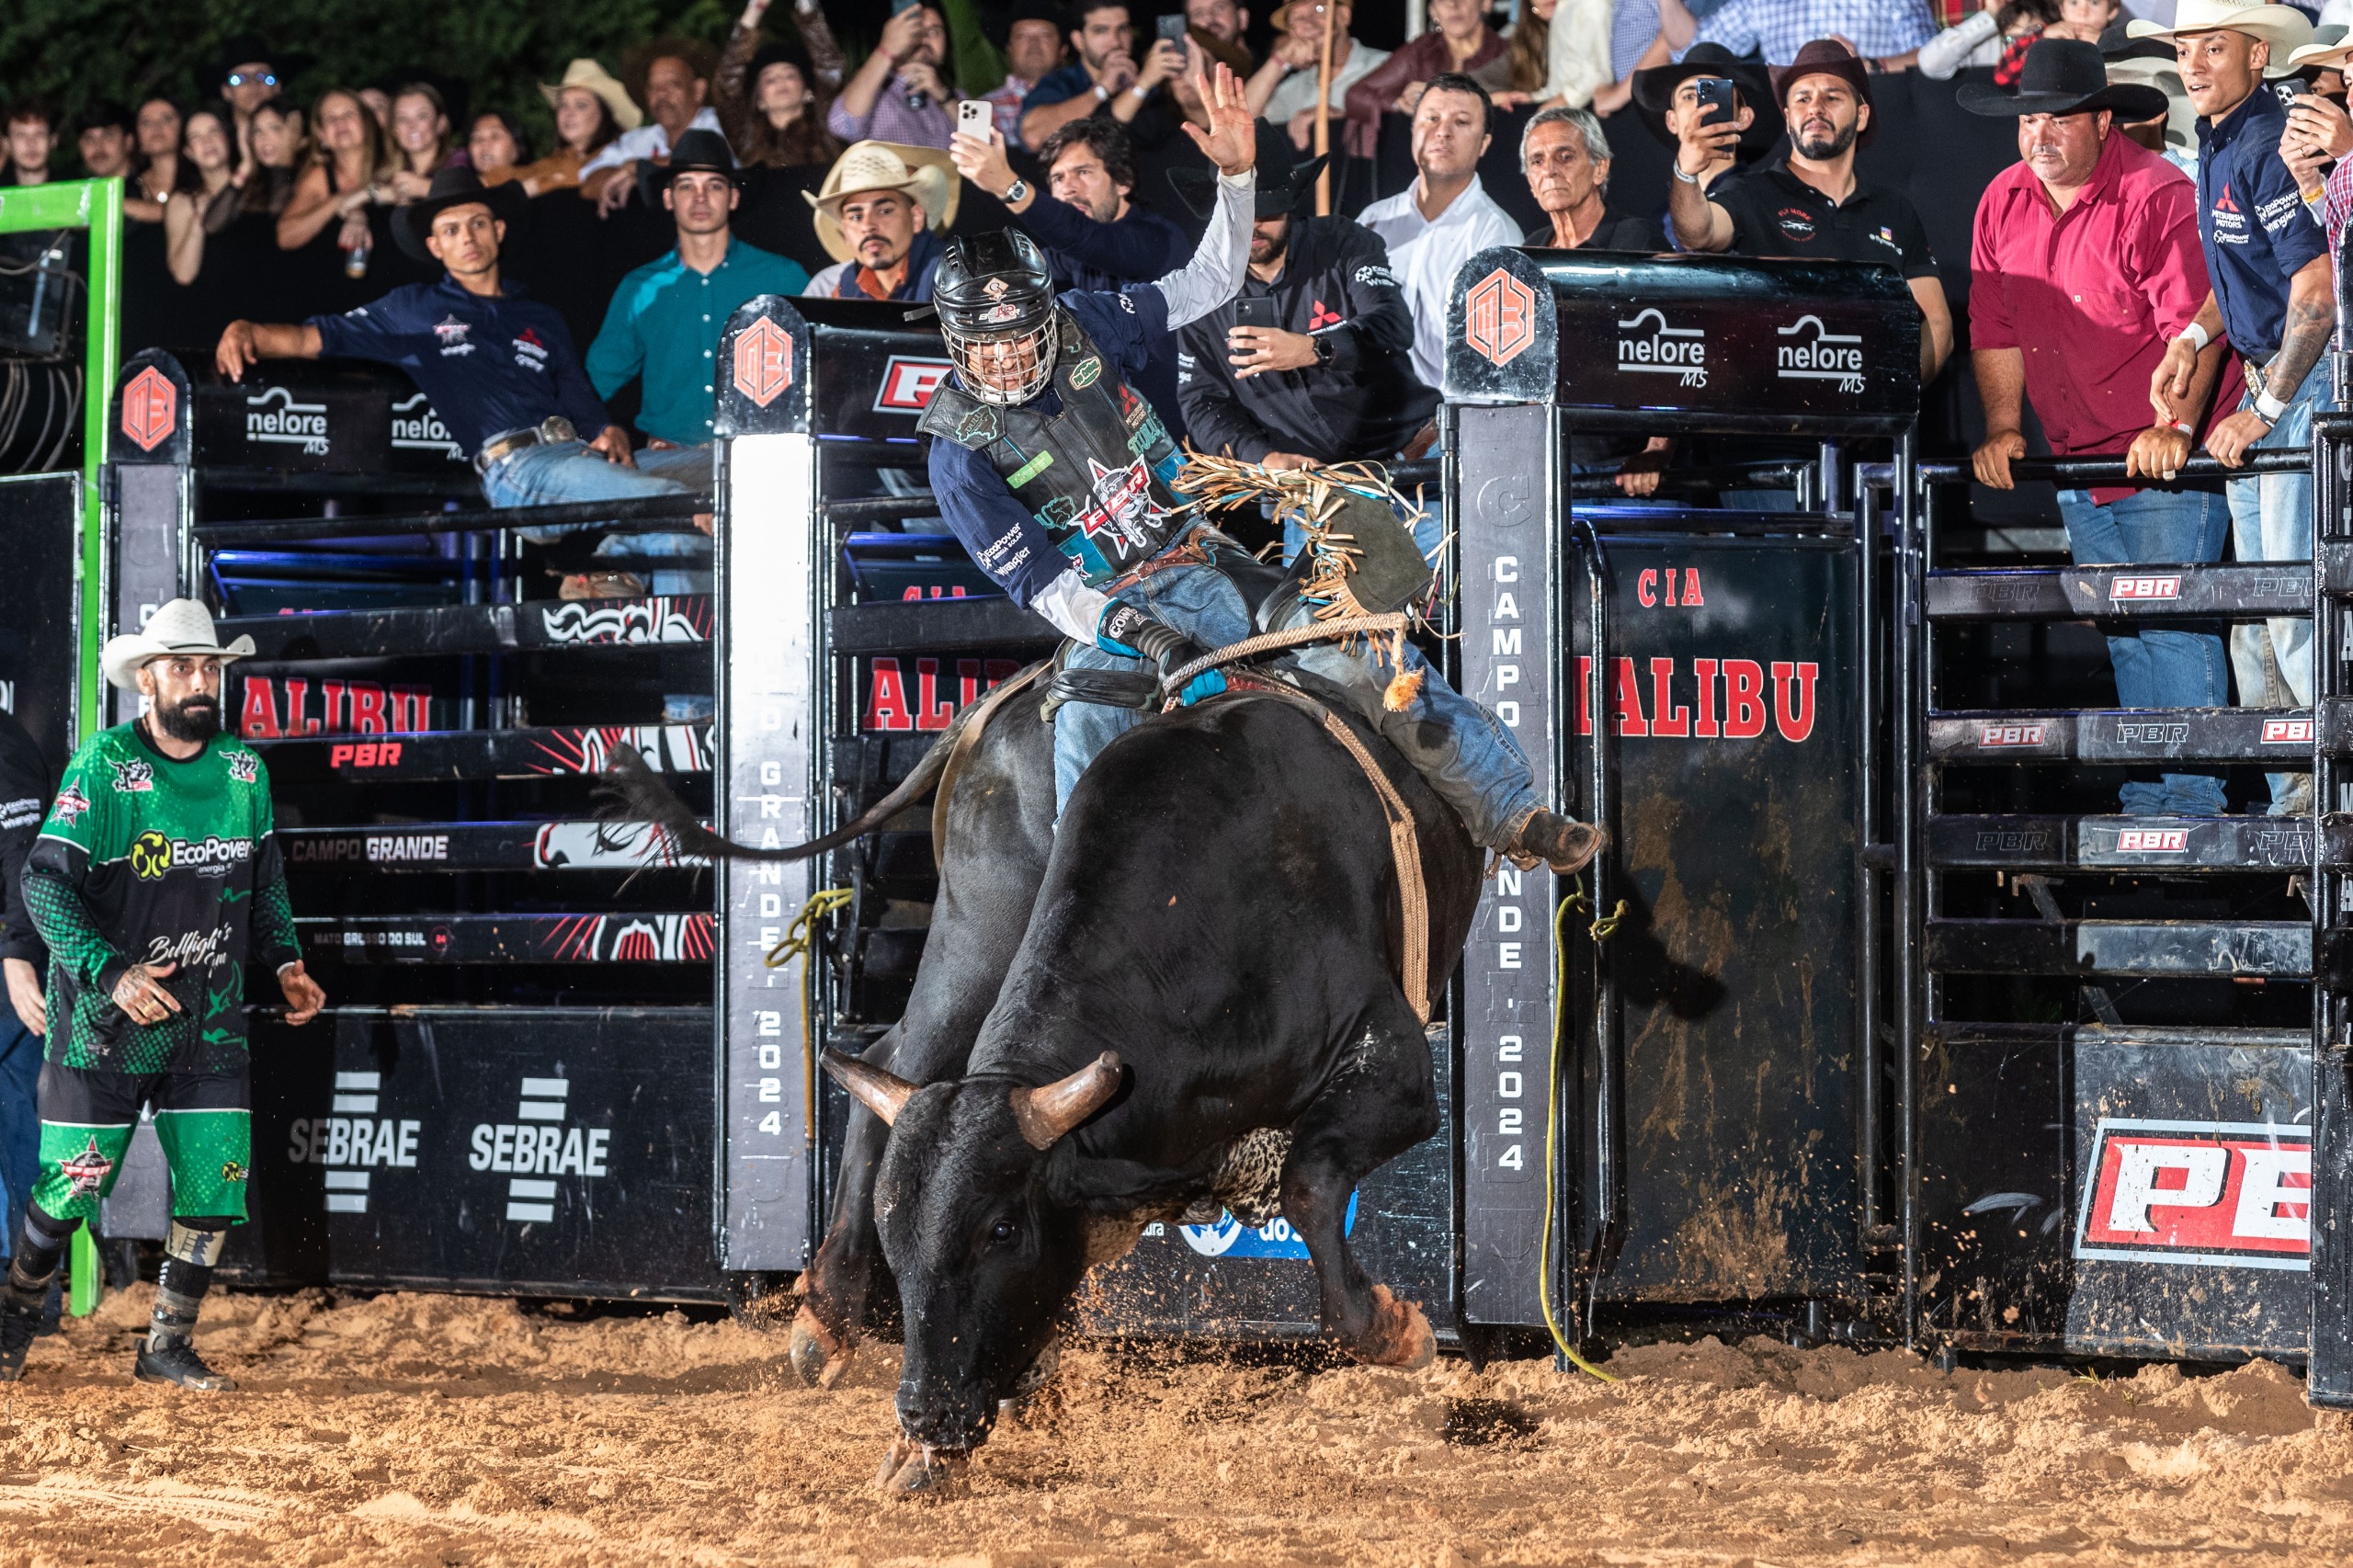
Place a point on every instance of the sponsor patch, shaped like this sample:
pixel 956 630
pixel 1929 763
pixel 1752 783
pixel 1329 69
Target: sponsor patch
pixel 1030 469
pixel 1085 373
pixel 69 804
pixel 244 767
pixel 231 1172
pixel 136 776
pixel 1795 221
pixel 151 856
pixel 1376 278
pixel 86 1172
pixel 2230 1193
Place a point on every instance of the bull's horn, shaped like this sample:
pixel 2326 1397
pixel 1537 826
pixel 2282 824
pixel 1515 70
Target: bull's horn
pixel 1048 1114
pixel 881 1093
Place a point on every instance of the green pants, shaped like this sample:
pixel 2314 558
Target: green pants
pixel 203 1119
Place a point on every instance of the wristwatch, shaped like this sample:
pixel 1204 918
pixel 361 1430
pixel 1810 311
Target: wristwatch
pixel 1323 347
pixel 1102 94
pixel 1016 191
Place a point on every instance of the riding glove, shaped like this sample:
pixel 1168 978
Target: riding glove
pixel 1127 630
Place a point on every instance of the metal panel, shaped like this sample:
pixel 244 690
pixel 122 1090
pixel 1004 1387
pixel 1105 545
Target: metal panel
pixel 2275 948
pixel 633 937
pixel 2121 593
pixel 152 495
pixel 39 523
pixel 1510 618
pixel 925 626
pixel 484 754
pixel 769 723
pixel 2282 736
pixel 485 847
pixel 474 629
pixel 555 1151
pixel 1722 342
pixel 2189 1228
pixel 2138 844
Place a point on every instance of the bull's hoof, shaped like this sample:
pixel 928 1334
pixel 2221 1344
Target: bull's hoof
pixel 1401 1335
pixel 918 1474
pixel 820 1357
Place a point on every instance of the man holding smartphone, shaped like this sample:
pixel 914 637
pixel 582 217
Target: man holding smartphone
pixel 902 92
pixel 1107 77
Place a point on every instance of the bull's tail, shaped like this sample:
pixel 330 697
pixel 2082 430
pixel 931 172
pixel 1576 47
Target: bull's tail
pixel 641 793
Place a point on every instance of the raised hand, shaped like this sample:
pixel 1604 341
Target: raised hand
pixel 1232 141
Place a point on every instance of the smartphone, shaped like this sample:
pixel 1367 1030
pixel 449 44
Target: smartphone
pixel 1715 98
pixel 2291 90
pixel 1256 310
pixel 899 5
pixel 1172 29
pixel 973 117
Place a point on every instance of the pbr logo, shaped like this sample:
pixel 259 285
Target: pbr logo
pixel 86 1172
pixel 2153 841
pixel 151 406
pixel 1826 356
pixel 2011 735
pixel 2235 1194
pixel 1648 347
pixel 763 361
pixel 69 805
pixel 1499 317
pixel 2287 732
pixel 908 383
pixel 2144 588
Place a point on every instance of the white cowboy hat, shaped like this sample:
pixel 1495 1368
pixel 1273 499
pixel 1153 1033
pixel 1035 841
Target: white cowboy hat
pixel 925 174
pixel 2181 115
pixel 2330 50
pixel 588 75
pixel 183 626
pixel 2284 28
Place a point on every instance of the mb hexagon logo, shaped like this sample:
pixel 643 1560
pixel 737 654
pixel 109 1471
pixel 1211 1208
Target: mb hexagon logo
pixel 763 361
pixel 1499 317
pixel 151 407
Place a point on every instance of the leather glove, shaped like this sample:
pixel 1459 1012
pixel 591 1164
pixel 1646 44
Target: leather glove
pixel 1127 630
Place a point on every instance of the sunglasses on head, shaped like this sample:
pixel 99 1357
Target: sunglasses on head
pixel 239 78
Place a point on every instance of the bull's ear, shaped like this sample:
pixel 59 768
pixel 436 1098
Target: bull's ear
pixel 881 1093
pixel 1045 1116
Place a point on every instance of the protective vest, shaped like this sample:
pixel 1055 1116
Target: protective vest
pixel 1100 476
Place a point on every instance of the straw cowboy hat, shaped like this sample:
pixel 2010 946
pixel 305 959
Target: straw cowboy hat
pixel 2329 51
pixel 2284 28
pixel 182 626
pixel 922 173
pixel 594 77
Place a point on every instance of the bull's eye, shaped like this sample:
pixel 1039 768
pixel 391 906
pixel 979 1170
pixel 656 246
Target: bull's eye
pixel 1003 1232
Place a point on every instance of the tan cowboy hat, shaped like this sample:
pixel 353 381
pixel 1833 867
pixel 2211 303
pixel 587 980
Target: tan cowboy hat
pixel 2284 28
pixel 597 79
pixel 2181 115
pixel 182 626
pixel 923 173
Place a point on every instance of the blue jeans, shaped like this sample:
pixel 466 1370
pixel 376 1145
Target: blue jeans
pixel 556 471
pixel 1457 745
pixel 2171 668
pixel 2271 519
pixel 19 1122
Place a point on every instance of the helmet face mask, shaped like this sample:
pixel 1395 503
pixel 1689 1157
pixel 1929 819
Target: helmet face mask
pixel 995 300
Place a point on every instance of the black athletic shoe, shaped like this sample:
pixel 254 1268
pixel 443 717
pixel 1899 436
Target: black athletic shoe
pixel 18 1324
pixel 177 1362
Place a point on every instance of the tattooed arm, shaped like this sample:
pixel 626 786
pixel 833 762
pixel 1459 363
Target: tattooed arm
pixel 2312 317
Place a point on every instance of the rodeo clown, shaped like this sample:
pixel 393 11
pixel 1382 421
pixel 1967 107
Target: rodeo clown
pixel 154 878
pixel 1060 480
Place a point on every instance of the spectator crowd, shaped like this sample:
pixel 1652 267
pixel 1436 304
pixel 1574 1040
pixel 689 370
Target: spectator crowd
pixel 2149 279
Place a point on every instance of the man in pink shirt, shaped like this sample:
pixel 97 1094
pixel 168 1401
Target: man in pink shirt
pixel 2085 263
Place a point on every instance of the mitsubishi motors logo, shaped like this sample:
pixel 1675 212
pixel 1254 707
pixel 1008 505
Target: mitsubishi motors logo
pixel 763 361
pixel 151 407
pixel 1499 317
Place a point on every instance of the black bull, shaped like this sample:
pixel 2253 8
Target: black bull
pixel 1208 948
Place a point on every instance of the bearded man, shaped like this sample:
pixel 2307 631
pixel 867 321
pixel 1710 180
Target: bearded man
pixel 1810 203
pixel 154 880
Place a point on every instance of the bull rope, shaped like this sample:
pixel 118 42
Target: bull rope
pixel 1551 1139
pixel 800 940
pixel 1391 625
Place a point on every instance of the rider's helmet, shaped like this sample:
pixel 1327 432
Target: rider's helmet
pixel 996 300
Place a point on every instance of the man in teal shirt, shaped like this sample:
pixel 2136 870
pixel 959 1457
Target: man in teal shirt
pixel 665 319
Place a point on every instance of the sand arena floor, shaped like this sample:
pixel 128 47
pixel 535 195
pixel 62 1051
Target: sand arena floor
pixel 433 1430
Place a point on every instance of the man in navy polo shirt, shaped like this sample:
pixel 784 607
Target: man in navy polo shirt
pixel 2268 262
pixel 499 367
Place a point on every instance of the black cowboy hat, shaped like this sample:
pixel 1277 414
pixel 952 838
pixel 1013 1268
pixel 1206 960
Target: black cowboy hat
pixel 1286 180
pixel 1654 93
pixel 697 151
pixel 247 49
pixel 2063 75
pixel 2118 44
pixel 454 188
pixel 1827 57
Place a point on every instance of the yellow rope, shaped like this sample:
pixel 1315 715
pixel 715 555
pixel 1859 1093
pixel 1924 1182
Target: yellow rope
pixel 799 939
pixel 1552 1138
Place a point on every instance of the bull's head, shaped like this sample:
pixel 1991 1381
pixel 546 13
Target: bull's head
pixel 981 1224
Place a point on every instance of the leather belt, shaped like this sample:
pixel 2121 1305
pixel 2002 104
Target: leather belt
pixel 554 427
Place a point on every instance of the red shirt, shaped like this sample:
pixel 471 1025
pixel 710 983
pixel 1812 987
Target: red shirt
pixel 2091 296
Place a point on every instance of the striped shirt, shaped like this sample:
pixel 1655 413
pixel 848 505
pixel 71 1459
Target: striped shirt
pixel 1780 28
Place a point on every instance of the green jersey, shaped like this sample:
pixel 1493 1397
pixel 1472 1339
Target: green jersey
pixel 148 859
